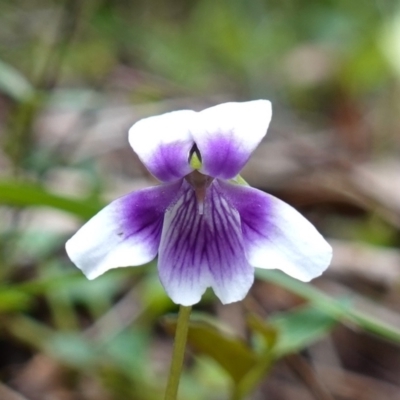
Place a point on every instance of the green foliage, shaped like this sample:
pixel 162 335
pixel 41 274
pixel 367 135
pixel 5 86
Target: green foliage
pixel 282 334
pixel 68 73
pixel 24 194
pixel 338 309
pixel 13 300
pixel 299 328
pixel 14 84
pixel 231 353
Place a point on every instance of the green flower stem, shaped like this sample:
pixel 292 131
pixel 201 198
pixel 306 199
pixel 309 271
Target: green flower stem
pixel 178 353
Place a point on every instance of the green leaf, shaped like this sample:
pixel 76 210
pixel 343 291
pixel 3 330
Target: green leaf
pixel 284 333
pixel 14 84
pixel 337 309
pixel 267 331
pixel 127 343
pixel 72 349
pixel 61 281
pixel 13 300
pixel 230 352
pixel 26 194
pixel 28 330
pixel 299 328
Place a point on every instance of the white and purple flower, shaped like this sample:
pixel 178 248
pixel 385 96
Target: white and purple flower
pixel 207 228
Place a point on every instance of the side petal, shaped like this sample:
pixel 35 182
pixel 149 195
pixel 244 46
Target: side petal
pixel 202 250
pixel 163 143
pixel 126 232
pixel 277 236
pixel 227 134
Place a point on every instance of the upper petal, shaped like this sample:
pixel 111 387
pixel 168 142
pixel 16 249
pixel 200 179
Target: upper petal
pixel 227 134
pixel 163 143
pixel 126 232
pixel 198 251
pixel 277 236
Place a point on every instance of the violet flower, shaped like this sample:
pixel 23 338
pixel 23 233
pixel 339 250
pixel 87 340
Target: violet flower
pixel 206 225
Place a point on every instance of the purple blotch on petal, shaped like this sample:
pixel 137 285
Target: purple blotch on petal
pixel 254 208
pixel 125 233
pixel 223 156
pixel 278 236
pixel 169 162
pixel 142 213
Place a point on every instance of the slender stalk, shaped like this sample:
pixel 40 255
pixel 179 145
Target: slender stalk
pixel 178 353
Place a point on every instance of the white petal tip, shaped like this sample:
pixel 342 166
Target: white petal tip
pixel 183 299
pixel 317 266
pixel 91 276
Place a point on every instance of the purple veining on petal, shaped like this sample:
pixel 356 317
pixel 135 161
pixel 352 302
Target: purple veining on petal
pixel 254 207
pixel 142 213
pixel 198 251
pixel 223 156
pixel 169 162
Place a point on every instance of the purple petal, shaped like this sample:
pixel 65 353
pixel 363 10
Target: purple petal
pixel 198 251
pixel 227 134
pixel 126 232
pixel 276 235
pixel 163 143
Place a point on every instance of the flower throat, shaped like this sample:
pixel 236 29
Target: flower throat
pixel 197 180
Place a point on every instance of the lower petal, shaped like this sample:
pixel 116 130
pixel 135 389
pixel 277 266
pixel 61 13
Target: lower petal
pixel 125 233
pixel 277 236
pixel 202 250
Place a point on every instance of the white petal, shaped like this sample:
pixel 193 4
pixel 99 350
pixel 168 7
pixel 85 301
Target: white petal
pixel 163 143
pixel 125 233
pixel 227 134
pixel 278 236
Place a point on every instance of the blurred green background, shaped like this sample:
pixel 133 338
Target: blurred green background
pixel 75 75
